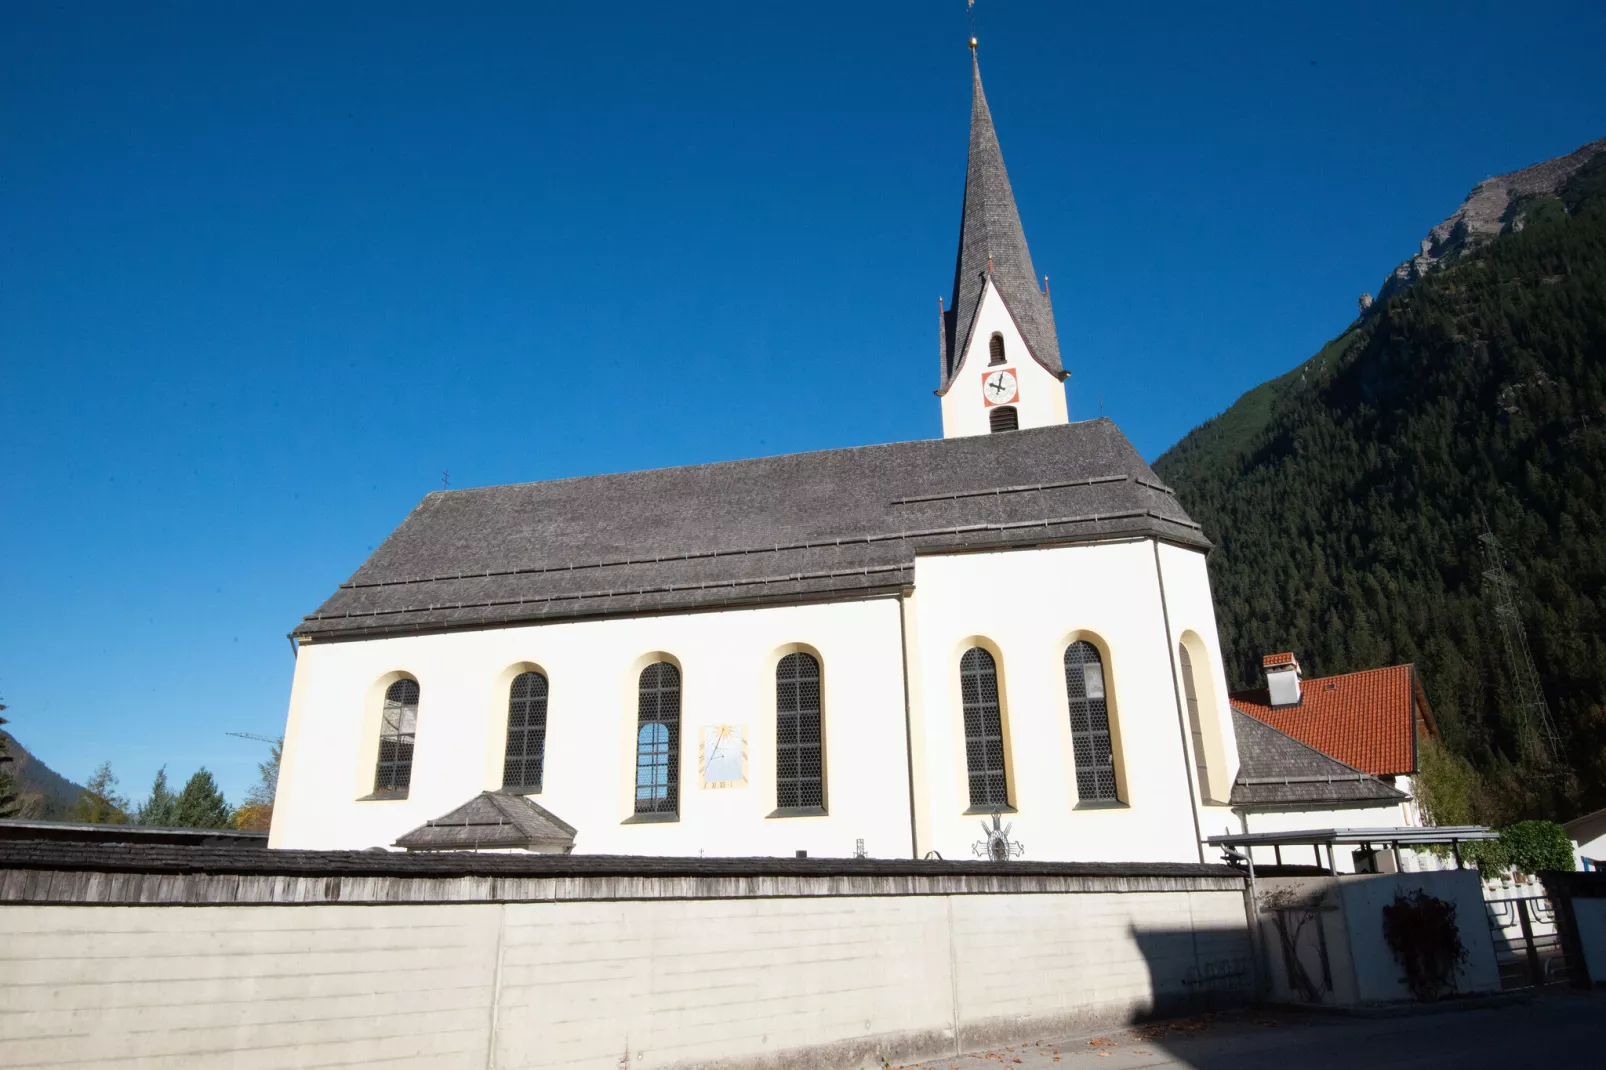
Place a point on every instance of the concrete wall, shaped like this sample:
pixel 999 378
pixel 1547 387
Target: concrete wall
pixel 1041 400
pixel 821 979
pixel 1590 917
pixel 1379 977
pixel 1349 911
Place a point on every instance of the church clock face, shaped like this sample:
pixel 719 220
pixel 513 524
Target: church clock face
pixel 999 387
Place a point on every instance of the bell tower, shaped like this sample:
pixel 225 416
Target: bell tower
pixel 1000 353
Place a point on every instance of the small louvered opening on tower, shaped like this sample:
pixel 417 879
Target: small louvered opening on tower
pixel 1004 418
pixel 995 349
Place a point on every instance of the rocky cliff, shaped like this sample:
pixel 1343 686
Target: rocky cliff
pixel 1493 207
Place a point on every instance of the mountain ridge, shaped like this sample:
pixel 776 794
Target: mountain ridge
pixel 1492 208
pixel 44 794
pixel 1346 497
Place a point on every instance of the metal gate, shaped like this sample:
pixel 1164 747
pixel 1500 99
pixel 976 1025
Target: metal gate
pixel 1527 944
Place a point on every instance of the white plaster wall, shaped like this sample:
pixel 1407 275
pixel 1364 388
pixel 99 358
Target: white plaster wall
pixel 1593 850
pixel 600 984
pixel 727 661
pixel 1042 396
pixel 1029 604
pixel 1192 612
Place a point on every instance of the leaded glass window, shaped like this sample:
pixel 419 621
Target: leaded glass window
pixel 984 729
pixel 658 740
pixel 1090 724
pixel 799 757
pixel 526 733
pixel 398 727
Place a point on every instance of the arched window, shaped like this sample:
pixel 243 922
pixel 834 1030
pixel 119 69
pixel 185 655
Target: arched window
pixel 658 740
pixel 526 734
pixel 995 349
pixel 1090 724
pixel 1003 418
pixel 1191 693
pixel 398 727
pixel 799 759
pixel 984 729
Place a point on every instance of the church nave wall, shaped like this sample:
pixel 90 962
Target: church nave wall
pixel 1027 607
pixel 727 662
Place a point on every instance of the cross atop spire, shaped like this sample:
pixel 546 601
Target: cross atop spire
pixel 992 246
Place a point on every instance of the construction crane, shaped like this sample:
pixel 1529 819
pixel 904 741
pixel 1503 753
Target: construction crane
pixel 1536 732
pixel 252 735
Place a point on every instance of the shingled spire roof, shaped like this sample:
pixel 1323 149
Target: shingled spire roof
pixel 992 243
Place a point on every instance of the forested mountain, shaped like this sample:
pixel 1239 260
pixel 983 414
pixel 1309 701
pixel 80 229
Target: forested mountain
pixel 1346 498
pixel 42 793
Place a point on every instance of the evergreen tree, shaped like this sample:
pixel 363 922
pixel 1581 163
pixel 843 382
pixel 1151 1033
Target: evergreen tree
pixel 161 809
pixel 201 805
pixel 10 805
pixel 99 803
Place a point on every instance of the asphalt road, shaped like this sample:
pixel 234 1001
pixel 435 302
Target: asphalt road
pixel 1557 1028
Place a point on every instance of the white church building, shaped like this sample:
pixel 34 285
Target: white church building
pixel 872 650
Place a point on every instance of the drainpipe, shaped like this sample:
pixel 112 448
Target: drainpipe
pixel 908 732
pixel 1176 694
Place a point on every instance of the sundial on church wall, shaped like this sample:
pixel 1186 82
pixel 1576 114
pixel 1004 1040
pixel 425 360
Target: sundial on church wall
pixel 722 755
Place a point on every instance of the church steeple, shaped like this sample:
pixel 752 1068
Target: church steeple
pixel 992 249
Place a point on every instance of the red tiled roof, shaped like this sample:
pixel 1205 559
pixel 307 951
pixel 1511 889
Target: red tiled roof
pixel 1364 719
pixel 1271 661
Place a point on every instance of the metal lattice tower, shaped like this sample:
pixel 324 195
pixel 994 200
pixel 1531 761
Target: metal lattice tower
pixel 1536 732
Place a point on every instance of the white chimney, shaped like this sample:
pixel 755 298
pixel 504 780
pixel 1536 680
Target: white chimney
pixel 1282 679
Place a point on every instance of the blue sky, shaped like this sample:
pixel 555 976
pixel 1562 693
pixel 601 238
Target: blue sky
pixel 267 270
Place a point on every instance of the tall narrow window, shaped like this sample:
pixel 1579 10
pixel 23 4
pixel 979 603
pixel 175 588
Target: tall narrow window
pixel 1191 693
pixel 1090 724
pixel 658 740
pixel 398 727
pixel 1003 418
pixel 799 764
pixel 984 729
pixel 526 734
pixel 995 349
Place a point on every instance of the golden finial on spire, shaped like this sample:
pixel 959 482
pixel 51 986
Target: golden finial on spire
pixel 973 44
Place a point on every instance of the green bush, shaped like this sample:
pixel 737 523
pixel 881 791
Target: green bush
pixel 1534 846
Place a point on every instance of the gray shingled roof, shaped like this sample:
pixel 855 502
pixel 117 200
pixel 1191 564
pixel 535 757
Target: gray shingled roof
pixel 491 819
pixel 1278 772
pixel 19 855
pixel 771 530
pixel 991 227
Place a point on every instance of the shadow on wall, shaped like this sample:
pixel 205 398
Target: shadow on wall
pixel 1177 975
pixel 1193 971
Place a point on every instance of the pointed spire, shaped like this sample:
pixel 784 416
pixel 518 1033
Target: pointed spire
pixel 992 244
